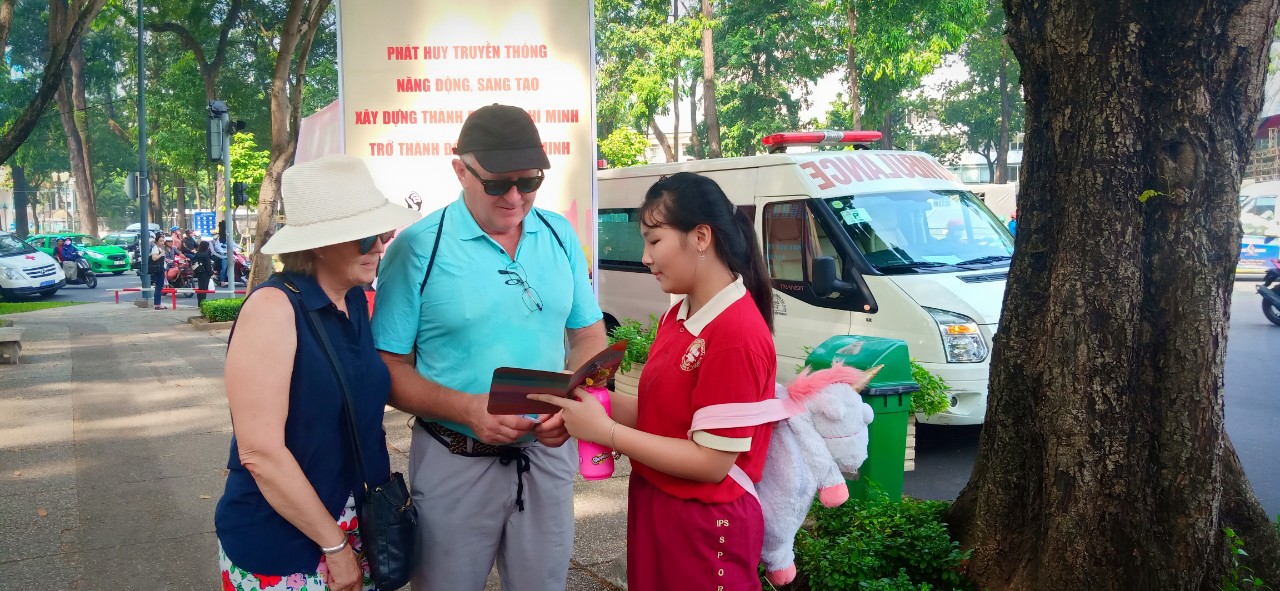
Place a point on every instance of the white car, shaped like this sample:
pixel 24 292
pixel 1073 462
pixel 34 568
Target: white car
pixel 25 271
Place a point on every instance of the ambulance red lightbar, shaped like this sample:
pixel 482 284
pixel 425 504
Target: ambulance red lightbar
pixel 779 142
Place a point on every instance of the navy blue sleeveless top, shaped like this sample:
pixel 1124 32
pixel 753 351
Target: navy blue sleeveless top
pixel 253 535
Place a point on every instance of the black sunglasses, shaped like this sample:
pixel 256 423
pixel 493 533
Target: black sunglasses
pixel 499 188
pixel 366 244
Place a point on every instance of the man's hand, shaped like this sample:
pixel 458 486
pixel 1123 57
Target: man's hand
pixel 496 429
pixel 551 432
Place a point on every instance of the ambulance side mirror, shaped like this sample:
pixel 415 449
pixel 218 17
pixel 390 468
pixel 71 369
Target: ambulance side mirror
pixel 824 281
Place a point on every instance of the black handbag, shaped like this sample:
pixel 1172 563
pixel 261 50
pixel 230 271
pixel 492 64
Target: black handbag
pixel 388 520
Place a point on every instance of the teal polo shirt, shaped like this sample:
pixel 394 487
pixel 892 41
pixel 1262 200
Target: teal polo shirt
pixel 468 320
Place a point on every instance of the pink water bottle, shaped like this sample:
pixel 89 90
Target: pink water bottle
pixel 595 461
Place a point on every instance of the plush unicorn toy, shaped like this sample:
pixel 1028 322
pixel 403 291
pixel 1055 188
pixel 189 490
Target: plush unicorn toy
pixel 808 454
pixel 821 433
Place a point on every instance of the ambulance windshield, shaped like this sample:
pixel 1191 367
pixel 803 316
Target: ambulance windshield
pixel 923 231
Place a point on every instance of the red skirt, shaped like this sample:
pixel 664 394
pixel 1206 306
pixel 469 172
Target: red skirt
pixel 675 543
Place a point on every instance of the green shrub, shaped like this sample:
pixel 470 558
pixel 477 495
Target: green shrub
pixel 638 336
pixel 221 310
pixel 880 546
pixel 932 397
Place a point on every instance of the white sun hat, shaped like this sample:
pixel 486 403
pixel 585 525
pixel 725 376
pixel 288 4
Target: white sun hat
pixel 333 200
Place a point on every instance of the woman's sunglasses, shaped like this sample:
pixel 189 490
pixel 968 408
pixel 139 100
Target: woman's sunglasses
pixel 501 187
pixel 366 244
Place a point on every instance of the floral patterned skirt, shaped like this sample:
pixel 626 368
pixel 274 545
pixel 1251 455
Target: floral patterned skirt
pixel 235 578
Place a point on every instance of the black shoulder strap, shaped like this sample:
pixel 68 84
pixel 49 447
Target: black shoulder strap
pixel 348 404
pixel 431 262
pixel 553 233
pixel 440 232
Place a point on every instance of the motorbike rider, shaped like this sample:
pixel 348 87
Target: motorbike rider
pixel 68 254
pixel 219 258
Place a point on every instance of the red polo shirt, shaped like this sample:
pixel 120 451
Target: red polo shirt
pixel 722 354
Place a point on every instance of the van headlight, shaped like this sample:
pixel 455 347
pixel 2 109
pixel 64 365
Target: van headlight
pixel 961 339
pixel 13 274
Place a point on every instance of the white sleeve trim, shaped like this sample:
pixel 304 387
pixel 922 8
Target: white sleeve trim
pixel 716 442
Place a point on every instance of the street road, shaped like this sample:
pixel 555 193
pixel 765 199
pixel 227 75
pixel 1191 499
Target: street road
pixel 106 283
pixel 945 455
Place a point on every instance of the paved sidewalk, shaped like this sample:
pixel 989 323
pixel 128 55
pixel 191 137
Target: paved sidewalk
pixel 113 454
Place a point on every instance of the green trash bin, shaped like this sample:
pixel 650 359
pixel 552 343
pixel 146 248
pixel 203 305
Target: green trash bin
pixel 889 395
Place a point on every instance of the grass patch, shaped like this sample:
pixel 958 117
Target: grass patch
pixel 19 307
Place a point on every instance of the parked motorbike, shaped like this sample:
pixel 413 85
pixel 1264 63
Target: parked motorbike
pixel 242 265
pixel 84 275
pixel 1271 294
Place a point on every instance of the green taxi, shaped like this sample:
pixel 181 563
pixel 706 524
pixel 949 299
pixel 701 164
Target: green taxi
pixel 102 257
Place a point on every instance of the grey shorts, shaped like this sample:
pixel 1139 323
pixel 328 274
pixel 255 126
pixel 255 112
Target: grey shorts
pixel 468 517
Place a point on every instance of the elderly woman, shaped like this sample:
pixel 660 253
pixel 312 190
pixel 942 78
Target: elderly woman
pixel 287 517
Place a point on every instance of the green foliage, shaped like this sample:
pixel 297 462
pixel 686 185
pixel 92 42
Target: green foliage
pixel 249 165
pixel 1149 193
pixel 221 310
pixel 881 545
pixel 1239 577
pixel 624 147
pixel 932 397
pixel 639 338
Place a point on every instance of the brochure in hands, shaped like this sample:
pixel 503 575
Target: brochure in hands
pixel 511 385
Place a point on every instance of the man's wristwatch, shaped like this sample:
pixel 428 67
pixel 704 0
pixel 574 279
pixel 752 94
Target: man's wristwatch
pixel 336 549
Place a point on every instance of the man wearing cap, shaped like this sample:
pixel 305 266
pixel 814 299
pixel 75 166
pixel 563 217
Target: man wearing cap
pixel 488 281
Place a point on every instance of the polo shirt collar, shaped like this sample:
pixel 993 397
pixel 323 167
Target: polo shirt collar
pixel 469 229
pixel 718 303
pixel 313 296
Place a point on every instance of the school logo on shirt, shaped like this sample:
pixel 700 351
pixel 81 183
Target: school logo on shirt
pixel 693 355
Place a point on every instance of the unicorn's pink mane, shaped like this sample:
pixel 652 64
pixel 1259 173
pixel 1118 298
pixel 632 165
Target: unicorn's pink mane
pixel 809 383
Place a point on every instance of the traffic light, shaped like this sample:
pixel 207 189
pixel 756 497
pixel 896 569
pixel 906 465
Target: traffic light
pixel 238 194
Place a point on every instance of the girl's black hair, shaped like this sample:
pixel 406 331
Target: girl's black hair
pixel 684 201
pixel 202 247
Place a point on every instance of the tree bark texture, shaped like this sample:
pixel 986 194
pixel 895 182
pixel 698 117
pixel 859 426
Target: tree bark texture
pixel 287 83
pixel 50 80
pixel 709 116
pixel 6 21
pixel 1103 463
pixel 855 98
pixel 695 142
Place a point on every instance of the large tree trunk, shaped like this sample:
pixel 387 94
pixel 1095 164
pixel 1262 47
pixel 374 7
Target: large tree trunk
pixel 21 191
pixel 855 94
pixel 1002 148
pixel 695 142
pixel 180 195
pixel 1103 463
pixel 709 86
pixel 662 140
pixel 74 115
pixel 6 21
pixel 287 83
pixel 50 81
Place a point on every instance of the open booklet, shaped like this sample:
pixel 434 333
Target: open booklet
pixel 511 385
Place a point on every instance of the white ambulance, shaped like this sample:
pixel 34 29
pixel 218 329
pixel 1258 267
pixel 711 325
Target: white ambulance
pixel 865 242
pixel 25 271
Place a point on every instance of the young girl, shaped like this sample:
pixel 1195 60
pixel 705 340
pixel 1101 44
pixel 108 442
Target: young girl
pixel 688 525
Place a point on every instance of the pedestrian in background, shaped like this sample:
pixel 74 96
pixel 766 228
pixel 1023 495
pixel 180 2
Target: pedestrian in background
pixel 288 510
pixel 156 269
pixel 202 266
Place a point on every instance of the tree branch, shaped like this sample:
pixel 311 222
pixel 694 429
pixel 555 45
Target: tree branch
pixel 188 40
pixel 233 14
pixel 51 80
